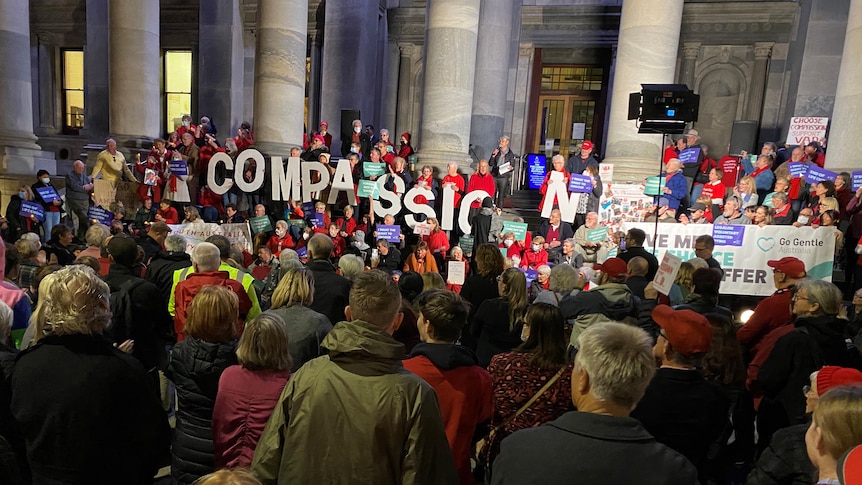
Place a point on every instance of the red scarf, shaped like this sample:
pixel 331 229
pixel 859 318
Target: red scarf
pixel 759 171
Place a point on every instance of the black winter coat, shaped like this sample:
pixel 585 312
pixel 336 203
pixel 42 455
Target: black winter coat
pixel 160 272
pixel 196 367
pixel 785 461
pixel 89 413
pixel 331 290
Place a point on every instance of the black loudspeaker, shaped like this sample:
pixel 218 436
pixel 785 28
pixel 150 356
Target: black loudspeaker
pixel 743 136
pixel 347 117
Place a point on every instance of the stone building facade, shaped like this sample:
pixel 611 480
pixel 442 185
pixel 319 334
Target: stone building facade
pixel 455 74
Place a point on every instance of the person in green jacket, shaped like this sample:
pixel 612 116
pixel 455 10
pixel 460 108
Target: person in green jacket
pixel 356 415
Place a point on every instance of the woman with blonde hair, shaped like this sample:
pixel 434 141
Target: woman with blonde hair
pixel 438 241
pixel 432 281
pixel 248 392
pixel 497 324
pixel 835 429
pixel 229 477
pixel 195 368
pixel 746 192
pixel 305 327
pixel 88 413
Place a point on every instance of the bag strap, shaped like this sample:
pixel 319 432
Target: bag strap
pixel 533 399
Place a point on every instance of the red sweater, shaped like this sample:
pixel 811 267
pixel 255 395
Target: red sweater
pixel 276 244
pixel 188 288
pixel 532 260
pixel 243 404
pixel 436 241
pixel 465 398
pixel 459 184
pixel 169 215
pixel 481 182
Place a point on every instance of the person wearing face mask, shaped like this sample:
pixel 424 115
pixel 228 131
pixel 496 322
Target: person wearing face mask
pixel 404 147
pixel 327 136
pixel 513 248
pixel 47 195
pixel 186 127
pixel 206 127
pixel 806 216
pixel 536 255
pixel 280 240
pixel 355 136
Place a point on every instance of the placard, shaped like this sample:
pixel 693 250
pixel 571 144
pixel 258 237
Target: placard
pixel 260 224
pixel 531 275
pixel 317 219
pixel 456 272
pixel 30 208
pixel 597 235
pixel 606 172
pixel 767 201
pixel 798 169
pixel 106 193
pixel 198 232
pixel 816 174
pixel 178 167
pixel 805 129
pixel 368 188
pixel 302 252
pixel 666 273
pixel 519 229
pixel 422 229
pixel 728 235
pixel 150 176
pixel 856 180
pixel 504 168
pixel 537 166
pixel 578 131
pixel 100 215
pixel 371 169
pixel 390 233
pixel 689 156
pixel 48 193
pixel 466 244
pixel 654 186
pixel 580 183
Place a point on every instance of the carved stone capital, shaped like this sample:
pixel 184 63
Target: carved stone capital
pixel 408 50
pixel 691 50
pixel 763 50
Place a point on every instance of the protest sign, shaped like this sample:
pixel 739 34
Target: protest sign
pixel 598 234
pixel 580 183
pixel 606 172
pixel 260 224
pixel 856 180
pixel 106 193
pixel 654 186
pixel 728 235
pixel 798 169
pixel 317 219
pixel 519 229
pixel 100 215
pixel 466 244
pixel 368 188
pixel 391 233
pixel 666 273
pixel 48 193
pixel 457 272
pixel 198 232
pixel 422 229
pixel 302 252
pixel 30 208
pixel 816 174
pixel 623 202
pixel 805 129
pixel 689 156
pixel 178 167
pixel 371 169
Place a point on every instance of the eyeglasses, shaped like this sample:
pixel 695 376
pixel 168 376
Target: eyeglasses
pixel 806 391
pixel 662 333
pixel 796 297
pixel 499 278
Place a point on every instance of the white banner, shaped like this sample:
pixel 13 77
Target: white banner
pixel 745 268
pixel 623 203
pixel 198 232
pixel 805 129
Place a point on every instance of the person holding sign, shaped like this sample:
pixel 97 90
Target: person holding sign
pixel 589 201
pixel 153 168
pixel 591 240
pixel 675 188
pixel 20 223
pixel 558 175
pixel 47 195
pixel 502 162
pixel 760 171
pixel 427 181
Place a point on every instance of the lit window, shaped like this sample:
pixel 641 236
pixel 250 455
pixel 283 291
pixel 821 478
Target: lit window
pixel 178 87
pixel 571 78
pixel 73 89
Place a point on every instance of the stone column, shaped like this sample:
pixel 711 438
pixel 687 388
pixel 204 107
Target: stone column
pixel 350 47
pixel 762 52
pixel 404 113
pixel 220 53
pixel 690 52
pixel 846 122
pixel 390 93
pixel 646 54
pixel 135 86
pixel 96 124
pixel 450 64
pixel 314 118
pixel 492 75
pixel 279 86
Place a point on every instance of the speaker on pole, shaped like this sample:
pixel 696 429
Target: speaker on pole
pixel 743 136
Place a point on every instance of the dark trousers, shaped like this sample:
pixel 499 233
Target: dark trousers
pixel 79 208
pixel 502 185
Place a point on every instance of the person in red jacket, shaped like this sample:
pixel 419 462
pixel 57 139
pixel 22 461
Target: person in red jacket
pixel 281 239
pixel 248 392
pixel 166 213
pixel 205 261
pixel 535 255
pixel 438 242
pixel 339 244
pixel 405 149
pixel 347 224
pixel 463 388
pixel 559 166
pixel 481 180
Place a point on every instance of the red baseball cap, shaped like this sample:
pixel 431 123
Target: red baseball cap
pixel 833 376
pixel 614 267
pixel 792 267
pixel 688 332
pixel 587 145
pixel 319 138
pixel 323 123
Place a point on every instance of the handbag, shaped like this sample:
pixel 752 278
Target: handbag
pixel 484 443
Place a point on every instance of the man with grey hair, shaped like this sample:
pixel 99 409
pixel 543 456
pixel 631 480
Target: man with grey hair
pixel 502 164
pixel 111 164
pixel 732 214
pixel 160 272
pixel 79 186
pixel 783 214
pixel 358 136
pixel 206 259
pixel 612 370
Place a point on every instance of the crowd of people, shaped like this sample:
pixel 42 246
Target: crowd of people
pixel 329 353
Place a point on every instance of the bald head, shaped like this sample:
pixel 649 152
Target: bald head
pixel 637 266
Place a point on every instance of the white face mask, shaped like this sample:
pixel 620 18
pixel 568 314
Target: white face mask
pixel 508 242
pixel 305 235
pixel 186 124
pixel 802 220
pixel 280 232
pixel 537 248
pixel 357 244
pixel 357 129
pixel 46 180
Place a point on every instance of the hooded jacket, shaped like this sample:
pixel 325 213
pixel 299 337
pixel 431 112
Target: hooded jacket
pixel 463 391
pixel 355 416
pixel 196 367
pixel 612 301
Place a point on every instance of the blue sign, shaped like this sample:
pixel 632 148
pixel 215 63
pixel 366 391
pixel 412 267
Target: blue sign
pixel 390 233
pixel 48 193
pixel 317 219
pixel 537 167
pixel 580 183
pixel 178 167
pixel 798 169
pixel 727 235
pixel 302 252
pixel 857 180
pixel 689 156
pixel 30 208
pixel 531 275
pixel 100 215
pixel 816 174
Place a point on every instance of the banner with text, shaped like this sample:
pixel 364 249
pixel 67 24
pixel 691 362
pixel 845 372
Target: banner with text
pixel 744 265
pixel 198 232
pixel 805 129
